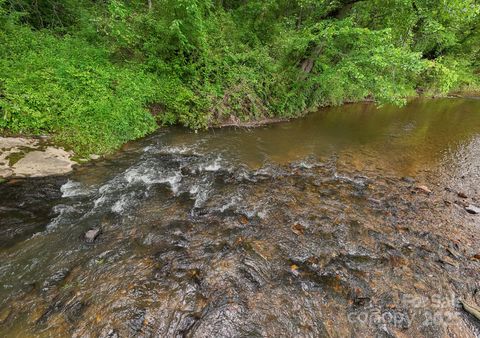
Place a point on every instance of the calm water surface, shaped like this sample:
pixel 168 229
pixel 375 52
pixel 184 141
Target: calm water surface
pixel 312 227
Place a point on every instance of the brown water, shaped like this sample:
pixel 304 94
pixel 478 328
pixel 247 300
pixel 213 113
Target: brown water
pixel 305 228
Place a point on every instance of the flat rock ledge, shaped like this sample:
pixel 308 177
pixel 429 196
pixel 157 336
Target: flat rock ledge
pixel 28 157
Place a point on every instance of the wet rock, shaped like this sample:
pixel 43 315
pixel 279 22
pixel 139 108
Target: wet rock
pixel 408 179
pixel 422 188
pixel 91 235
pixel 54 307
pixel 186 324
pixel 471 209
pixel 462 194
pixel 136 322
pixel 55 279
pixel 74 311
pixel 226 320
pixel 254 273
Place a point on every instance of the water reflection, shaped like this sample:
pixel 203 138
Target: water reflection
pixel 405 141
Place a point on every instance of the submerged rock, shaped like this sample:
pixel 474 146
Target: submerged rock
pixel 408 179
pixel 4 314
pixel 55 279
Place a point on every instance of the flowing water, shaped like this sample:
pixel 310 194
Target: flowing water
pixel 314 227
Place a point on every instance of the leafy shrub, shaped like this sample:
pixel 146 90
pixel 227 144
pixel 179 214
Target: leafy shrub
pixel 67 87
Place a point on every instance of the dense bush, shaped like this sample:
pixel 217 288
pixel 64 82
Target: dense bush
pixel 87 71
pixel 69 88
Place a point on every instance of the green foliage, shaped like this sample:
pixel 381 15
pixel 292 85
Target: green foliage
pixel 351 63
pixel 52 14
pixel 66 87
pixel 446 32
pixel 87 70
pixel 447 74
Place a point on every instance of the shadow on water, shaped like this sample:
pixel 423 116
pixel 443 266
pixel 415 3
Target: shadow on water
pixel 313 227
pixel 26 206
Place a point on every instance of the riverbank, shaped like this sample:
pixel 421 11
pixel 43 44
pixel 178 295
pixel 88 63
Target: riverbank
pixel 30 156
pixel 96 78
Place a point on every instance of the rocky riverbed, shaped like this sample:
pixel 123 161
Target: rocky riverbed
pixel 354 222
